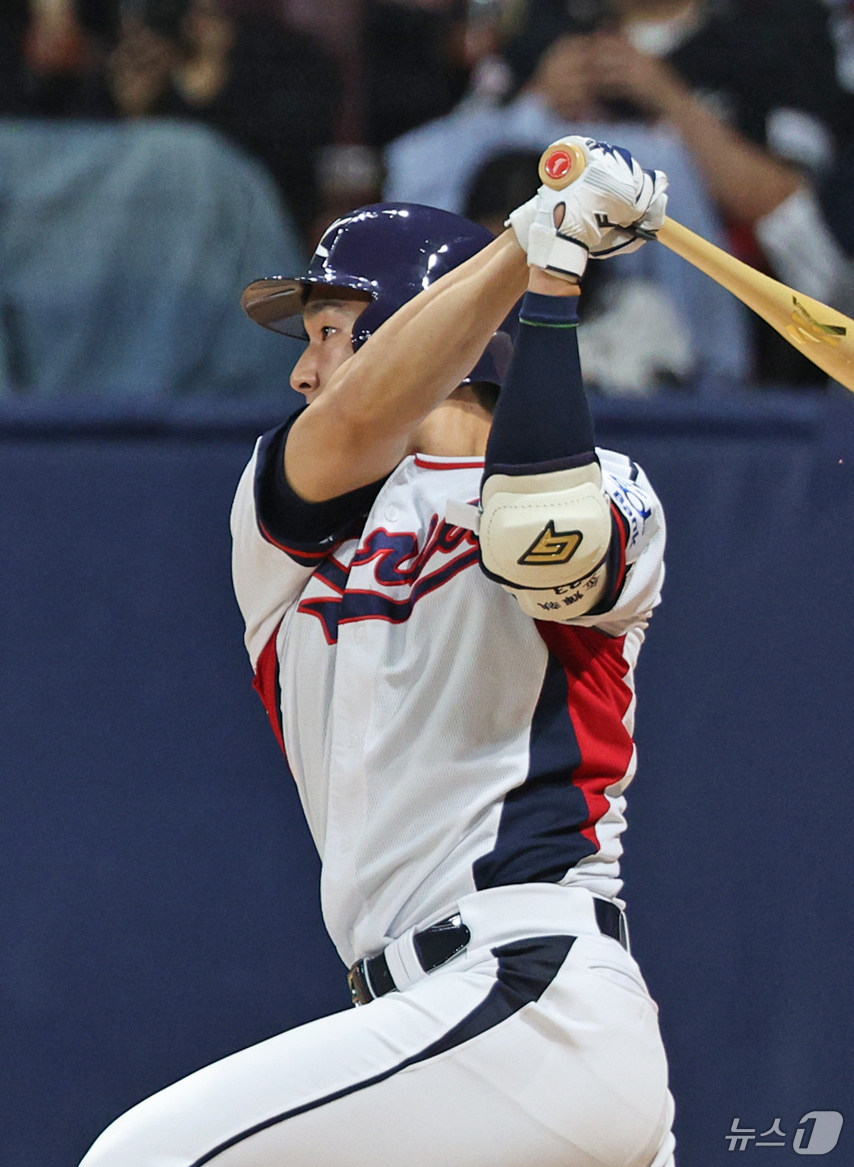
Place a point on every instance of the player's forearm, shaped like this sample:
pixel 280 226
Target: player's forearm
pixel 365 418
pixel 503 258
pixel 427 348
pixel 423 352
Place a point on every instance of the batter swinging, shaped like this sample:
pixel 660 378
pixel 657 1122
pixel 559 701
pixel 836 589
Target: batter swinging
pixel 443 610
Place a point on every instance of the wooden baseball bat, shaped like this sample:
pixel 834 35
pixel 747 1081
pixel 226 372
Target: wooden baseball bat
pixel 819 332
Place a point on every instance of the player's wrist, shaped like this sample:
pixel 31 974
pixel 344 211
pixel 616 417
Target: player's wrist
pixel 561 257
pixel 546 283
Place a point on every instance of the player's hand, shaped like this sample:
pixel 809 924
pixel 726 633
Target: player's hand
pixel 614 206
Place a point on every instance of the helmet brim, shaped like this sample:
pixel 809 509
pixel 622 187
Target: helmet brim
pixel 277 302
pixel 273 303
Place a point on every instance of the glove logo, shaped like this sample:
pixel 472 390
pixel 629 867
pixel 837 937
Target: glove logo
pixel 551 546
pixel 614 152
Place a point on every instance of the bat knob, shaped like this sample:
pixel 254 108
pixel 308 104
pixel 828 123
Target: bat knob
pixel 561 164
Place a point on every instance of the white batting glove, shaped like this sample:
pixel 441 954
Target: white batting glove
pixel 613 206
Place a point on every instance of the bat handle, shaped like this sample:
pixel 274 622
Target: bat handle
pixel 561 164
pixel 699 251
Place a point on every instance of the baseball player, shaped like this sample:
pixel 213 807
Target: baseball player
pixel 443 610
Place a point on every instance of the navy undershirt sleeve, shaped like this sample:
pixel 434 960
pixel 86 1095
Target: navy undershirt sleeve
pixel 291 520
pixel 542 420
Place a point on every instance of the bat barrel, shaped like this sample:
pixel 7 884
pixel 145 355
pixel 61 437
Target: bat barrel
pixel 821 333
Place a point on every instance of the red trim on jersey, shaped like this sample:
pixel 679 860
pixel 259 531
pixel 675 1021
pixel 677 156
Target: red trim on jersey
pixel 426 463
pixel 615 586
pixel 599 699
pixel 294 552
pixel 266 684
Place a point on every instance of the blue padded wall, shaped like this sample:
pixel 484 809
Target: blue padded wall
pixel 160 903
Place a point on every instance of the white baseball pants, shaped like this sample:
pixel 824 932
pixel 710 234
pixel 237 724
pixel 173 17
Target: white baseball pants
pixel 537 1047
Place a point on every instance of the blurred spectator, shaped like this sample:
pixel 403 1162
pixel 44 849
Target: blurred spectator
pixel 271 90
pixel 837 198
pixel 436 164
pixel 414 64
pixel 350 175
pixel 402 62
pixel 766 67
pixel 14 17
pixel 502 183
pixel 758 92
pixel 122 257
pixel 754 88
pixel 49 61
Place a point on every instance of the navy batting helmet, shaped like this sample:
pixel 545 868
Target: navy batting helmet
pixel 391 251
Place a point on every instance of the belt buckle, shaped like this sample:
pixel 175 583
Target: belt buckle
pixel 360 992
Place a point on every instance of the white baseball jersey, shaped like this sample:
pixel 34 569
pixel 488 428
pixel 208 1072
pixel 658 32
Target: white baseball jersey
pixel 442 741
pixel 450 752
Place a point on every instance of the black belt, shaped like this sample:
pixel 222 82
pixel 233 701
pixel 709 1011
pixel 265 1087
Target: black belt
pixel 371 977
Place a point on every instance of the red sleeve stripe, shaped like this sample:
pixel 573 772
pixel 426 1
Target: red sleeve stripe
pixel 619 567
pixel 304 558
pixel 599 699
pixel 266 684
pixel 429 464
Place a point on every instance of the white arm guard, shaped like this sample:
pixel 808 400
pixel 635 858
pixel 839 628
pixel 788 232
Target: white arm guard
pixel 545 531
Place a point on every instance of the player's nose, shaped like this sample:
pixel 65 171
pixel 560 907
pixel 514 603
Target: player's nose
pixel 304 378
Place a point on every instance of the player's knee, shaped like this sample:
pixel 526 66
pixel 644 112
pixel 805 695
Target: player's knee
pixel 544 530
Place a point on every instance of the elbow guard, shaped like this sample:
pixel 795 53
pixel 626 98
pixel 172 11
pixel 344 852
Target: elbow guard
pixel 541 531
